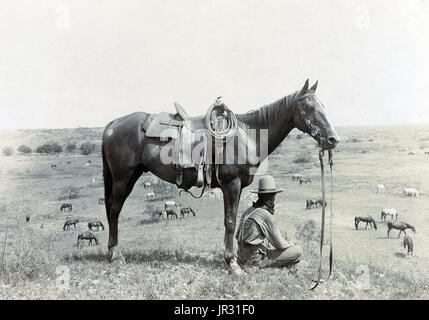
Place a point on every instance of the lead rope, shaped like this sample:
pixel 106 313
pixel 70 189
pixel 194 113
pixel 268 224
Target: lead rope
pixel 322 235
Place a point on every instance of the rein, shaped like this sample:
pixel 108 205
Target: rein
pixel 322 235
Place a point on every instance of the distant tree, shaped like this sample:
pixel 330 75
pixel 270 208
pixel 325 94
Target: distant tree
pixel 87 147
pixel 24 149
pixel 7 151
pixel 56 147
pixel 71 147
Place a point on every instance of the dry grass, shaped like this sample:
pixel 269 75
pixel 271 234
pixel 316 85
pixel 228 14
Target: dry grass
pixel 183 258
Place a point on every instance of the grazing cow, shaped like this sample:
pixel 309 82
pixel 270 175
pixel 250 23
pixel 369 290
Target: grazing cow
pixel 95 224
pixel 411 153
pixel 101 201
pixel 87 235
pixel 187 210
pixel 67 206
pixel 53 166
pixel 367 219
pixel 399 225
pixel 304 180
pixel 410 192
pixel 389 212
pixel 69 222
pixel 27 218
pixel 297 177
pixel 309 204
pixel 408 244
pixel 147 185
pixel 150 195
pixel 170 208
pixel 380 188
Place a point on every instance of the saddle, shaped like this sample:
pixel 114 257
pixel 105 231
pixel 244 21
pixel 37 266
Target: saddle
pixel 185 130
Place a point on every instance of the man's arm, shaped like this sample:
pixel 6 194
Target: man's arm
pixel 272 232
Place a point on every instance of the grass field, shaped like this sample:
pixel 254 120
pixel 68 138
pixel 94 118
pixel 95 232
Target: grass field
pixel 183 258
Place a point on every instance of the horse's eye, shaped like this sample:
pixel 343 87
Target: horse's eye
pixel 309 107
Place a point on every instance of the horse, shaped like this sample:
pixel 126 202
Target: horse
pixel 69 163
pixel 187 210
pixel 399 225
pixel 67 206
pixel 409 245
pixel 127 153
pixel 368 219
pixel 101 201
pixel 158 213
pixel 87 235
pixel 309 204
pixel 95 224
pixel 319 202
pixel 410 192
pixel 411 153
pixel 380 188
pixel 27 218
pixel 297 177
pixel 150 195
pixel 170 208
pixel 388 212
pixel 69 222
pixel 53 166
pixel 304 180
pixel 426 153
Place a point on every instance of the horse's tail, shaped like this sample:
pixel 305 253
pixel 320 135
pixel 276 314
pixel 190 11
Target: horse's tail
pixel 108 180
pixel 102 226
pixel 356 222
pixel 64 228
pixel 411 227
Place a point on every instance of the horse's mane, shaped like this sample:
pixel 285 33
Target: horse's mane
pixel 268 113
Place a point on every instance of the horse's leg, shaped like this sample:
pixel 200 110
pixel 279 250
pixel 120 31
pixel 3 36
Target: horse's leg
pixel 231 197
pixel 121 189
pixel 399 233
pixel 366 226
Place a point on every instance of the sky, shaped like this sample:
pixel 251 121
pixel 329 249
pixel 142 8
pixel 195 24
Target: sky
pixel 83 63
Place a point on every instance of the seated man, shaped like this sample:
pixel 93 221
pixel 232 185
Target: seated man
pixel 257 227
pixel 219 116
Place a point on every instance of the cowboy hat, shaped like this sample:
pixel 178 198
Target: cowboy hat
pixel 267 184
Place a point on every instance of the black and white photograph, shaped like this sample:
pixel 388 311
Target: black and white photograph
pixel 213 150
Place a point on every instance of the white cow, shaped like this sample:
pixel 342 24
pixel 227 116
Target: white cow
pixel 170 208
pixel 410 192
pixel 150 195
pixel 380 188
pixel 147 185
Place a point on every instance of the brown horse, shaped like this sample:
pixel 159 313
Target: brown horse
pixel 127 153
pixel 399 225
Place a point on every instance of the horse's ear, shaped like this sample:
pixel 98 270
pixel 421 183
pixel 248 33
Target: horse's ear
pixel 314 87
pixel 304 88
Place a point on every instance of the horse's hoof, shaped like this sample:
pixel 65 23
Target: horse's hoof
pixel 116 256
pixel 235 269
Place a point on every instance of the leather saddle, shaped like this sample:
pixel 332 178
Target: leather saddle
pixel 193 123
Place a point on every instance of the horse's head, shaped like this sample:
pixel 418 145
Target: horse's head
pixel 310 118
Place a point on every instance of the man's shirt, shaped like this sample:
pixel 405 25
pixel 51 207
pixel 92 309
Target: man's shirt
pixel 258 224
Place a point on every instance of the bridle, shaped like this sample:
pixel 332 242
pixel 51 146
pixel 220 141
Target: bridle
pixel 322 234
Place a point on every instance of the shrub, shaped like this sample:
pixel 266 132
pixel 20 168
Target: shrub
pixel 71 147
pixel 303 158
pixel 307 231
pixel 7 151
pixel 49 148
pixel 69 193
pixel 24 149
pixel 87 147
